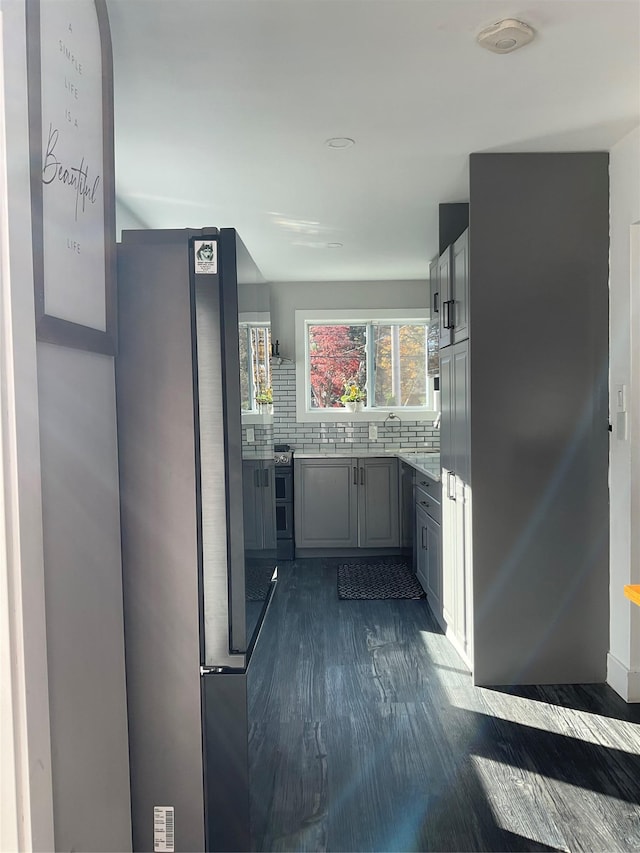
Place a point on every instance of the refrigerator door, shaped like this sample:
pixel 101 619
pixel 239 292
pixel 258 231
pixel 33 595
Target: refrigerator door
pixel 218 460
pixel 224 566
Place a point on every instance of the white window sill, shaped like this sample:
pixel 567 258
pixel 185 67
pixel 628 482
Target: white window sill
pixel 255 418
pixel 366 416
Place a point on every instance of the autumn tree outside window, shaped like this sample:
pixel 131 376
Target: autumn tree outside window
pixel 255 364
pixel 385 359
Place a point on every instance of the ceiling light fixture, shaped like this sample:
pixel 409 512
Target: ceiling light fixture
pixel 340 142
pixel 506 36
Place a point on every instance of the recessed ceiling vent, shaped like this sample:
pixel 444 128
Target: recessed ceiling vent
pixel 506 36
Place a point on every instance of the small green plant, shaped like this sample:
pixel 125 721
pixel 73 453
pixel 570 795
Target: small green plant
pixel 264 395
pixel 353 394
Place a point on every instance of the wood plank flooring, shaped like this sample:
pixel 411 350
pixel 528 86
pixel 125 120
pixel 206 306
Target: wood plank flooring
pixel 366 734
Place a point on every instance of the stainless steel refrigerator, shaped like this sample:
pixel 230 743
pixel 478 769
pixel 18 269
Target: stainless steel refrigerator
pixel 194 604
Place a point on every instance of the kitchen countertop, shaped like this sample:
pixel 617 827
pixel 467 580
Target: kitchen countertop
pixel 426 463
pixel 422 460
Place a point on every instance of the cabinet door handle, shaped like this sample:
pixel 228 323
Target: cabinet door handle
pixel 448 314
pixel 265 479
pixel 436 297
pixel 451 494
pixel 362 476
pixel 355 476
pixel 256 477
pixel 424 543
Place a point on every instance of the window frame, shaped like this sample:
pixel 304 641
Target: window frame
pixel 350 317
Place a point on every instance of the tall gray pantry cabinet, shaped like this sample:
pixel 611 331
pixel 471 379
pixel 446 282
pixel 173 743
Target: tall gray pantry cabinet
pixel 525 422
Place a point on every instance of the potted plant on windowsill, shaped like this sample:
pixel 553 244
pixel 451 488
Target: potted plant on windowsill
pixel 353 398
pixel 264 401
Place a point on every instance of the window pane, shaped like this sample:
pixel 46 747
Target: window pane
pixel 399 353
pixel 337 357
pixel 260 351
pixel 245 393
pixel 255 364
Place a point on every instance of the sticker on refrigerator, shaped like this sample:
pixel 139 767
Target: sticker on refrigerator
pixel 206 256
pixel 163 829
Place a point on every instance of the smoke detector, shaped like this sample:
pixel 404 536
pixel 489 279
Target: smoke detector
pixel 506 36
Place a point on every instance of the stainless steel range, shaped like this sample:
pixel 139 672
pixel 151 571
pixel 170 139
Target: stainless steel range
pixel 283 475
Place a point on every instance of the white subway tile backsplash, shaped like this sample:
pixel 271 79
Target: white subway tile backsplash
pixel 314 437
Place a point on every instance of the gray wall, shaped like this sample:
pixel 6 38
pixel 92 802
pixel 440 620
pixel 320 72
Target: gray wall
pixel 83 593
pixel 539 441
pixel 288 297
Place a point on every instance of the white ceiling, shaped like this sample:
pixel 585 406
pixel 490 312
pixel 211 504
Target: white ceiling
pixel 223 107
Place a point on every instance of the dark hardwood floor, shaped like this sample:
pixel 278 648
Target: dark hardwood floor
pixel 367 734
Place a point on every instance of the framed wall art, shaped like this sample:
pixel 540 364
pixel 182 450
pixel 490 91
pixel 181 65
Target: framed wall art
pixel 70 79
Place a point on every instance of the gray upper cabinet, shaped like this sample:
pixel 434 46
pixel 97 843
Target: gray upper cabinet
pixel 443 285
pixel 434 291
pixel 347 503
pixel 453 285
pixel 460 288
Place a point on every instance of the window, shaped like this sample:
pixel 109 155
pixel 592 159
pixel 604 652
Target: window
pixel 380 361
pixel 255 366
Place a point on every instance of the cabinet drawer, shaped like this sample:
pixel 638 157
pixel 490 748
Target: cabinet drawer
pixel 431 487
pixel 429 503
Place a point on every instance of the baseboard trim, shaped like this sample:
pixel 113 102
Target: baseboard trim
pixel 624 681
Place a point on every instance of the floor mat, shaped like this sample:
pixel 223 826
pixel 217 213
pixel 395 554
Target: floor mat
pixel 376 580
pixel 258 573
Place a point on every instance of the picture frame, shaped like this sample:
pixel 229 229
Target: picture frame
pixel 72 180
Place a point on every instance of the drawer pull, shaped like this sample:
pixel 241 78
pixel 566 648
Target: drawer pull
pixel 424 503
pixel 424 483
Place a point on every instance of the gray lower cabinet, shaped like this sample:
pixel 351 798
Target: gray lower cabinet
pixel 346 502
pixel 406 505
pixel 259 505
pixel 428 541
pixel 378 506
